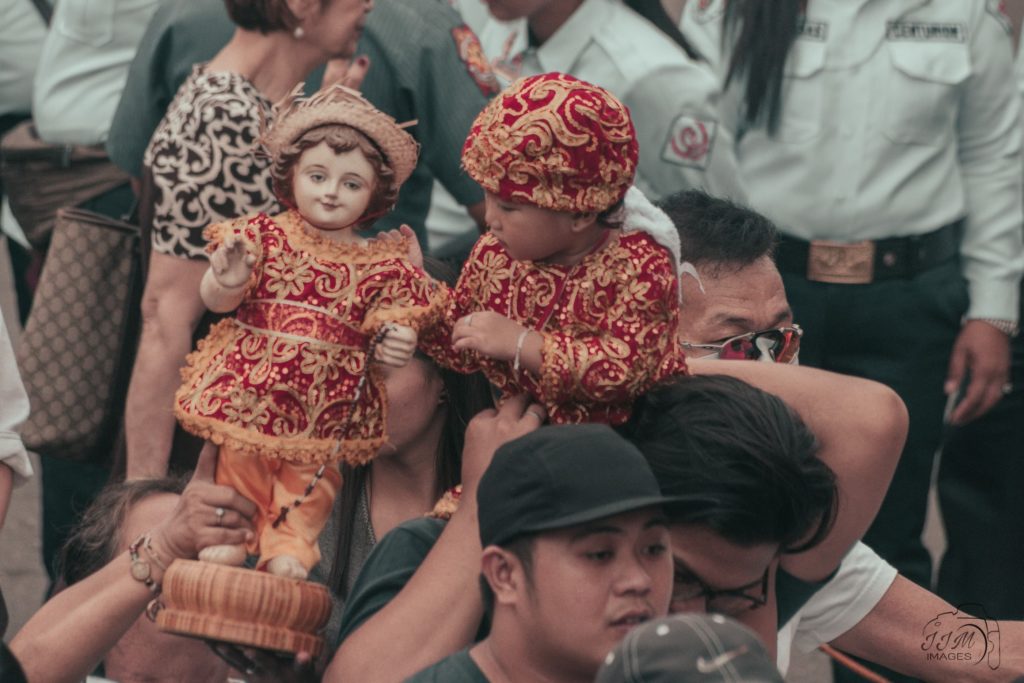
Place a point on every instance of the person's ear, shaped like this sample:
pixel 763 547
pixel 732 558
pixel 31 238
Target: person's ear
pixel 303 9
pixel 505 574
pixel 583 221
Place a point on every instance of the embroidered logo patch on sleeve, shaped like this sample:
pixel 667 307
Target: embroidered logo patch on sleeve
pixel 472 55
pixel 706 10
pixel 689 142
pixel 997 8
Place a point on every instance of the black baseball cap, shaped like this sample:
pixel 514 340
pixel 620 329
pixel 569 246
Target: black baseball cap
pixel 689 648
pixel 563 475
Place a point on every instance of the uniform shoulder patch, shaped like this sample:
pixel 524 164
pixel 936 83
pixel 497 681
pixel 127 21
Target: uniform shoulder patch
pixel 707 10
pixel 997 8
pixel 472 55
pixel 690 141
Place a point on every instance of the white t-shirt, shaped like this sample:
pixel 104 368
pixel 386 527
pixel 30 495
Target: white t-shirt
pixel 859 584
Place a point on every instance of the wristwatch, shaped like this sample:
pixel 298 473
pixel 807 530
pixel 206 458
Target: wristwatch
pixel 140 569
pixel 1008 327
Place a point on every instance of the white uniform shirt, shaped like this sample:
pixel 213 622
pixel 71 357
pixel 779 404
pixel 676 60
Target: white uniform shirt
pixel 84 67
pixel 897 119
pixel 859 584
pixel 22 32
pixel 683 144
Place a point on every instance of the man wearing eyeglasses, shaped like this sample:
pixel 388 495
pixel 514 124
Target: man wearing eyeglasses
pixel 735 307
pixel 733 302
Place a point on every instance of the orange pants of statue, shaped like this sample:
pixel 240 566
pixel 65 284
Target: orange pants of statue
pixel 272 483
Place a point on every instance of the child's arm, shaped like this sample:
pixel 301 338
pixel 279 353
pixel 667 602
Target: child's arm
pixel 495 336
pixel 613 361
pixel 224 283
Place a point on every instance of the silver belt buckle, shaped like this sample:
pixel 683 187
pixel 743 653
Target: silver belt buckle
pixel 841 263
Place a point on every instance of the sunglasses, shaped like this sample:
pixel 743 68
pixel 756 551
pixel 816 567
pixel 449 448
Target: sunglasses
pixel 779 345
pixel 687 586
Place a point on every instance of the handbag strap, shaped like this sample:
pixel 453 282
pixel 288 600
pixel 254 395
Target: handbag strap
pixel 44 9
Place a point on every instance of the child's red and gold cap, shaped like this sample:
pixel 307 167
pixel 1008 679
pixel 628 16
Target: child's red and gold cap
pixel 556 142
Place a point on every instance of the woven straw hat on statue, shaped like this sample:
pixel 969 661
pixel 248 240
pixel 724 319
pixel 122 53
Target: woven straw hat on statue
pixel 295 114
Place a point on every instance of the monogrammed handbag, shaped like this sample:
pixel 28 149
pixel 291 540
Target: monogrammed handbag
pixel 78 346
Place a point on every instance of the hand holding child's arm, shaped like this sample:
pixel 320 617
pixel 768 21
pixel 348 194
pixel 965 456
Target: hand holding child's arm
pixel 397 346
pixel 495 336
pixel 224 283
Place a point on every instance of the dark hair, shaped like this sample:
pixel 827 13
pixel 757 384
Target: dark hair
pixel 341 139
pixel 521 547
pixel 466 396
pixel 764 32
pixel 613 216
pixel 747 450
pixel 717 232
pixel 95 539
pixel 654 12
pixel 264 16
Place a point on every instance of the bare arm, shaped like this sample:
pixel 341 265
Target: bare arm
pixel 861 426
pixel 171 310
pixel 909 623
pixel 71 633
pixel 440 609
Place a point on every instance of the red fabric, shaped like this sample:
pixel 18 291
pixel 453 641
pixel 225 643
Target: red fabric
pixel 609 325
pixel 554 141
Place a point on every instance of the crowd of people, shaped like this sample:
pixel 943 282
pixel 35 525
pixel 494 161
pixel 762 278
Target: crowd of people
pixel 455 347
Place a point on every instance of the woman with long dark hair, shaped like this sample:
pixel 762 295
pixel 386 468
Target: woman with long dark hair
pixel 632 49
pixel 428 410
pixel 884 137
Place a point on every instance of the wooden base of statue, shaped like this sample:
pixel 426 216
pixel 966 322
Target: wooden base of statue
pixel 244 607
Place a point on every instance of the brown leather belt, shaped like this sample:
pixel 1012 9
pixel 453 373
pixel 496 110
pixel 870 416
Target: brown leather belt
pixel 860 263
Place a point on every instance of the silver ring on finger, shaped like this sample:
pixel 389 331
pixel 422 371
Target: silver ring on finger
pixel 220 515
pixel 1007 388
pixel 469 320
pixel 536 414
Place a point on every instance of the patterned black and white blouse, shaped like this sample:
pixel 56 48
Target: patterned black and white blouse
pixel 204 163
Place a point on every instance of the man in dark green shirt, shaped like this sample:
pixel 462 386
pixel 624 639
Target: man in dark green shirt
pixel 575 554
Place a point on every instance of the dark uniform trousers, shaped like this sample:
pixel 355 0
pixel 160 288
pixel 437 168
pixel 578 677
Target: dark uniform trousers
pixel 899 332
pixel 981 491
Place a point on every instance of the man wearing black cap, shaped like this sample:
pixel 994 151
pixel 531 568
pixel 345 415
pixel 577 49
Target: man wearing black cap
pixel 575 555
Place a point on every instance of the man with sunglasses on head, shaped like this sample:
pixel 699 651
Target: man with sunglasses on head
pixel 735 307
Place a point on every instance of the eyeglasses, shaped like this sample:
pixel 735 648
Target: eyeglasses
pixel 779 345
pixel 687 586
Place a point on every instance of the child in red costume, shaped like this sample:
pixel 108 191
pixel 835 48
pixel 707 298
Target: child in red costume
pixel 278 386
pixel 570 297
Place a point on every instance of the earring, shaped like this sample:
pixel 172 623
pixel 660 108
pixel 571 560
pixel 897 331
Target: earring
pixel 299 33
